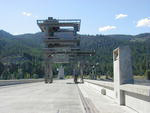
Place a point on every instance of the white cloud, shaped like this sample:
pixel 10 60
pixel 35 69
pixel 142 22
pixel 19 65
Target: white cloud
pixel 26 14
pixel 107 28
pixel 143 22
pixel 119 16
pixel 15 33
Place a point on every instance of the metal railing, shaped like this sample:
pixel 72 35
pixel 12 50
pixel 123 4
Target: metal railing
pixel 74 21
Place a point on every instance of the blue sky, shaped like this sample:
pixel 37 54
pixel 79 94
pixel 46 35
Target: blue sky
pixel 97 16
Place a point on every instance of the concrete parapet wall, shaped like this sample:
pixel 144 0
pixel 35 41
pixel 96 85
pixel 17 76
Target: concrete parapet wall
pixel 136 97
pixel 102 85
pixel 142 82
pixel 137 89
pixel 105 84
pixel 138 102
pixel 20 81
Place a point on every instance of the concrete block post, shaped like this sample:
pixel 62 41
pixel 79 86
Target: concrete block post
pixel 122 71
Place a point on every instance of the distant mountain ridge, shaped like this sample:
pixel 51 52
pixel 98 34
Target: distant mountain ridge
pixel 40 34
pixel 4 34
pixel 26 47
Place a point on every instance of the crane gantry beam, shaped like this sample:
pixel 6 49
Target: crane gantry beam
pixel 57 48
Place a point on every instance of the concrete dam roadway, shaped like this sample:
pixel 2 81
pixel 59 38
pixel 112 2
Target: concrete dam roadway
pixel 63 96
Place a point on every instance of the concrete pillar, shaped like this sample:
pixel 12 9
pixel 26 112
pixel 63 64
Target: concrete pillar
pixel 61 73
pixel 46 73
pixel 48 70
pixel 50 73
pixel 76 73
pixel 122 71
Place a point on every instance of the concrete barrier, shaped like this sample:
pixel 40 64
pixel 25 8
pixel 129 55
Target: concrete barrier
pixel 19 81
pixel 101 86
pixel 135 96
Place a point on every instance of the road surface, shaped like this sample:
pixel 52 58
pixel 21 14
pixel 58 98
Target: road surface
pixel 59 97
pixel 63 96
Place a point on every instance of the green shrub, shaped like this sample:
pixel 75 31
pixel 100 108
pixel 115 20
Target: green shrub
pixel 147 74
pixel 35 76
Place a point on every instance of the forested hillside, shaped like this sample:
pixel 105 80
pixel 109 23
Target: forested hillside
pixel 21 55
